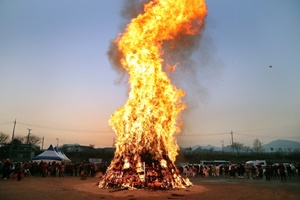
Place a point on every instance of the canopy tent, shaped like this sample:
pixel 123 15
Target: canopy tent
pixel 61 154
pixel 51 155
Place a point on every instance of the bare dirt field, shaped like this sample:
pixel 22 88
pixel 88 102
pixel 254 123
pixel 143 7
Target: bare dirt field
pixel 50 188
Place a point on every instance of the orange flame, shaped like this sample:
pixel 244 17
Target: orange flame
pixel 150 117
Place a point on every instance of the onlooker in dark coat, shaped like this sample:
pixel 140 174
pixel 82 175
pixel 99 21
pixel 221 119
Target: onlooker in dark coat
pixel 6 169
pixel 281 172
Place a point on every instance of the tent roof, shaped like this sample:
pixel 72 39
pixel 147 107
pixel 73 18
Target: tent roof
pixel 61 154
pixel 51 154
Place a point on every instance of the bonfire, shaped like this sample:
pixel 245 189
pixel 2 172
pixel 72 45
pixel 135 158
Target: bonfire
pixel 145 126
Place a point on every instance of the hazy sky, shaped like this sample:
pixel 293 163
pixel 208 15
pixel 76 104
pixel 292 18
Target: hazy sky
pixel 56 78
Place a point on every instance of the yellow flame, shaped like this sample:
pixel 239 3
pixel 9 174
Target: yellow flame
pixel 151 115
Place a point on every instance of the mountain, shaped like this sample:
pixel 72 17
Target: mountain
pixel 281 145
pixel 207 147
pixel 274 146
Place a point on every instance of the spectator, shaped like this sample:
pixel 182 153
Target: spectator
pixel 62 169
pixel 247 170
pixel 254 172
pixel 281 172
pixel 231 171
pixel 240 170
pixel 298 169
pixel 6 169
pixel 289 171
pixel 268 172
pixel 19 171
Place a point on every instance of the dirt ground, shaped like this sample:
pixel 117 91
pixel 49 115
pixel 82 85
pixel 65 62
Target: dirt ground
pixel 50 188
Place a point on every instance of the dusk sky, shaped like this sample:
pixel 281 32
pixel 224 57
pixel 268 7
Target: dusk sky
pixel 57 80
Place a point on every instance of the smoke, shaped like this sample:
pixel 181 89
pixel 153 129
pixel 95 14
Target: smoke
pixel 193 56
pixel 180 52
pixel 130 10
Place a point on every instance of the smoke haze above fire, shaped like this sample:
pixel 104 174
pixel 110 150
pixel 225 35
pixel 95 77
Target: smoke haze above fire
pixel 57 79
pixel 177 54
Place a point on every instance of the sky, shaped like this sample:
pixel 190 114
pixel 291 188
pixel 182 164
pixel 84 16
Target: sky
pixel 57 80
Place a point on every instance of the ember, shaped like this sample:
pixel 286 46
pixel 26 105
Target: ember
pixel 145 126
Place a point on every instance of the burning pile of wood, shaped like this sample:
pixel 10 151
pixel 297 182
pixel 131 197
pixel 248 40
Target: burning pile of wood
pixel 143 172
pixel 145 126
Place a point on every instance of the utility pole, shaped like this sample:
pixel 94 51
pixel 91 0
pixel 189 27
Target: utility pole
pixel 232 140
pixel 28 135
pixel 43 143
pixel 222 141
pixel 13 133
pixel 57 142
pixel 12 139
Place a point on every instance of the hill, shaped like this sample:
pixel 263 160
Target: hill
pixel 281 145
pixel 274 146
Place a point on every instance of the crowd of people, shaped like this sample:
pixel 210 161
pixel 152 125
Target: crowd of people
pixel 276 171
pixel 19 170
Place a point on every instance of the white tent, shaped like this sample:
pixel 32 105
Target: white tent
pixel 62 154
pixel 50 155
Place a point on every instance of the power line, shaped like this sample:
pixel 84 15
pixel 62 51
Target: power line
pixel 199 135
pixel 261 136
pixel 179 135
pixel 4 123
pixel 295 128
pixel 240 134
pixel 67 130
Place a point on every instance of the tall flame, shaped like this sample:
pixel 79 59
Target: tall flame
pixel 150 118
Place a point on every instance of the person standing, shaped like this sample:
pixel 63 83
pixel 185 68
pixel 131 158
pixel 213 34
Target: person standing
pixel 231 171
pixel 247 170
pixel 6 169
pixel 221 170
pixel 226 170
pixel 54 169
pixel 44 168
pixel 19 171
pixel 298 169
pixel 289 171
pixel 240 170
pixel 275 171
pixel 260 171
pixel 62 169
pixel 281 172
pixel 253 172
pixel 268 172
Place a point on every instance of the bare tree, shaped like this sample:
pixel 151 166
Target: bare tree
pixel 198 150
pixel 247 149
pixel 3 137
pixel 189 150
pixel 34 140
pixel 211 149
pixel 21 139
pixel 257 146
pixel 238 147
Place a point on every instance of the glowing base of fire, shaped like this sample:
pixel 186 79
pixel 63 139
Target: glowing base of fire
pixel 143 172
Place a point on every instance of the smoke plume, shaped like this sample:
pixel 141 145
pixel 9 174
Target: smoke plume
pixel 184 58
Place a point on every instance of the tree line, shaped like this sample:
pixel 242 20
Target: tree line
pixel 31 139
pixel 239 153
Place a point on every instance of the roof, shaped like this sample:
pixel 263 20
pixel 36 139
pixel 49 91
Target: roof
pixel 52 154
